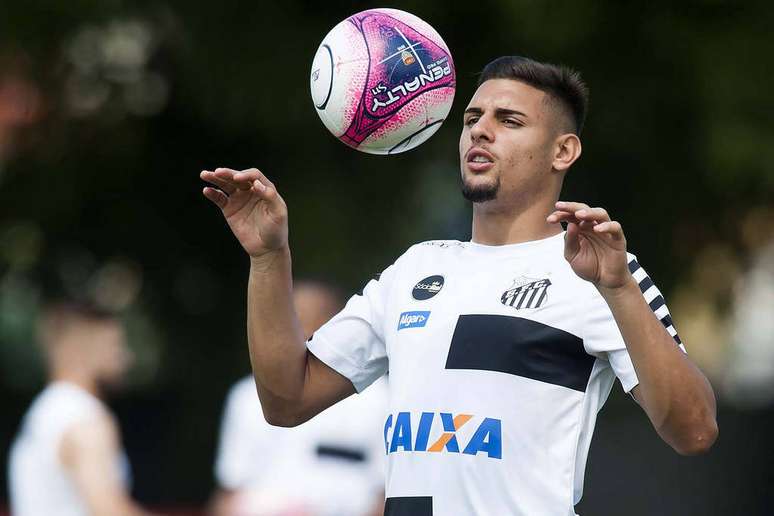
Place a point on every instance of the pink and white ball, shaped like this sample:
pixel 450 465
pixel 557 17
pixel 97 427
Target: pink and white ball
pixel 383 81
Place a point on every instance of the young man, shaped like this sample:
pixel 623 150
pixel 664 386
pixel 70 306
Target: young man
pixel 500 350
pixel 332 465
pixel 67 458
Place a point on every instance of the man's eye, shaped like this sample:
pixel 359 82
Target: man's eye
pixel 472 120
pixel 511 121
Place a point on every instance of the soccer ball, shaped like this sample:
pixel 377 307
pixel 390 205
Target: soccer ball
pixel 383 81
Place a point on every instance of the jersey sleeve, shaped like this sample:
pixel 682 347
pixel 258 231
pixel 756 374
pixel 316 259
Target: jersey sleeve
pixel 353 342
pixel 602 337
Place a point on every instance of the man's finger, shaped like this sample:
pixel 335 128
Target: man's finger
pixel 223 185
pixel 571 206
pixel 233 178
pixel 596 214
pixel 270 195
pixel 559 216
pixel 216 196
pixel 252 175
pixel 612 228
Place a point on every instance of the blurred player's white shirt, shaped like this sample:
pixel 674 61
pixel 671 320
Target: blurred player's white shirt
pixel 332 465
pixel 39 484
pixel 499 359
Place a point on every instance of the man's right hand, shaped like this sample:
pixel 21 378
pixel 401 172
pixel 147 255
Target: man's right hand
pixel 252 207
pixel 293 384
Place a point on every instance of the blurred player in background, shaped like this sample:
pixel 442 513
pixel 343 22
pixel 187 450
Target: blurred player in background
pixel 332 465
pixel 501 350
pixel 67 458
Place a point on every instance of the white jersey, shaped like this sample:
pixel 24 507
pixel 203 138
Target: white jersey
pixel 39 483
pixel 332 465
pixel 499 359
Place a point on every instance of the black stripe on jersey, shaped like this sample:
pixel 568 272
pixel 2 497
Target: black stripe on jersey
pixel 340 452
pixel 645 284
pixel 408 506
pixel 520 347
pixel 657 302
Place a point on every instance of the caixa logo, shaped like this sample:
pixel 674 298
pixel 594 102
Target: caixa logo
pixel 406 433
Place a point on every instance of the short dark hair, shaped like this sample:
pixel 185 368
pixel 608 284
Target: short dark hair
pixel 60 314
pixel 560 82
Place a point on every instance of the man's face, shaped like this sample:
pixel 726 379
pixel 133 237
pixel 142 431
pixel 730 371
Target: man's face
pixel 110 353
pixel 507 141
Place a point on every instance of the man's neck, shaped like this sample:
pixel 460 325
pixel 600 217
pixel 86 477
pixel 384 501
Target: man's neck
pixel 78 378
pixel 512 224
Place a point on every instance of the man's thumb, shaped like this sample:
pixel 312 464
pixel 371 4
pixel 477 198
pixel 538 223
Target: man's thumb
pixel 571 241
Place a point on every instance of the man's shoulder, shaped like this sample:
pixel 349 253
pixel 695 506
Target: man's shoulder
pixel 440 244
pixel 431 247
pixel 61 401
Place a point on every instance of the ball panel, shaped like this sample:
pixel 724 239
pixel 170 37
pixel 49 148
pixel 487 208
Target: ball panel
pixel 416 139
pixel 417 23
pixel 321 81
pixel 410 123
pixel 349 58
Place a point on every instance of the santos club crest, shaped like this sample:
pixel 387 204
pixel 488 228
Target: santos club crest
pixel 526 293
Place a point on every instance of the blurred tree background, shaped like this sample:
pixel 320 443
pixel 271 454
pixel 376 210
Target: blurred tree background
pixel 109 109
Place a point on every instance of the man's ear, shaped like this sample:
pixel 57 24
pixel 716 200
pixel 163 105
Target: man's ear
pixel 567 149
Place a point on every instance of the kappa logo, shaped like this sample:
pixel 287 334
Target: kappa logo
pixel 413 320
pixel 427 287
pixel 526 293
pixel 486 439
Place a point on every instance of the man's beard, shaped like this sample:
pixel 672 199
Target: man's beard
pixel 480 193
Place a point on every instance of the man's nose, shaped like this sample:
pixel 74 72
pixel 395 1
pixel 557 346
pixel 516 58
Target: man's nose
pixel 481 130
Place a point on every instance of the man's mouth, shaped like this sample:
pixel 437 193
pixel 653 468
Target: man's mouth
pixel 479 160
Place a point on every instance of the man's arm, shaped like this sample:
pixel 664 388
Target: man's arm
pixel 89 452
pixel 674 393
pixel 676 396
pixel 293 384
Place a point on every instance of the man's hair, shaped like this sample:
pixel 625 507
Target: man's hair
pixel 561 83
pixel 59 315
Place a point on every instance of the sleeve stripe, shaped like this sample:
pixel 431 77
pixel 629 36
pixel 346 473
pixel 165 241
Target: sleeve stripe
pixel 654 299
pixel 657 303
pixel 645 284
pixel 662 312
pixel 651 294
pixel 639 275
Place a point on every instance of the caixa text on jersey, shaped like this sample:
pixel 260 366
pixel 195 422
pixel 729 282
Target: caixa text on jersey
pixel 400 436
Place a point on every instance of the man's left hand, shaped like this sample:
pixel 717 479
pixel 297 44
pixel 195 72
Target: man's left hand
pixel 594 245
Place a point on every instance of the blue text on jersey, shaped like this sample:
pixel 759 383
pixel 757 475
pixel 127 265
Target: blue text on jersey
pixel 486 439
pixel 413 320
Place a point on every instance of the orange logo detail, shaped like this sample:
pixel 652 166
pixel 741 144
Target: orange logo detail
pixel 460 420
